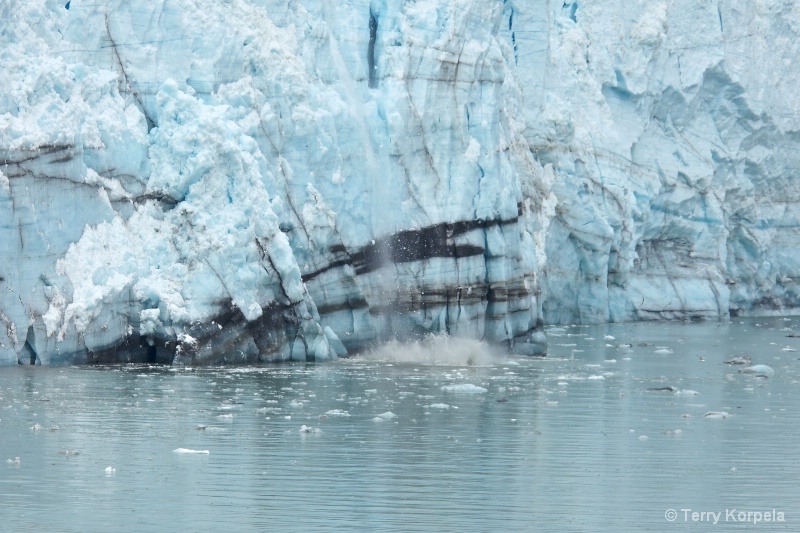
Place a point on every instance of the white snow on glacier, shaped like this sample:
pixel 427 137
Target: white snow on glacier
pixel 240 181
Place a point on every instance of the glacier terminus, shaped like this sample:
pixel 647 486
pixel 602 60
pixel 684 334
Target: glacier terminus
pixel 242 181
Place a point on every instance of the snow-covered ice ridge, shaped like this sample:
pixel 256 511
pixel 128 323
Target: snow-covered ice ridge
pixel 236 181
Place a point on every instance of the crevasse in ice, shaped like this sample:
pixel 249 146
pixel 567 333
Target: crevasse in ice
pixel 238 181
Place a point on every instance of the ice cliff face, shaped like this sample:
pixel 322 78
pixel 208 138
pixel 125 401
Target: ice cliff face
pixel 207 181
pixel 672 128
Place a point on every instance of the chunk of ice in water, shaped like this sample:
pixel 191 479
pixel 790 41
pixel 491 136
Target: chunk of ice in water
pixel 189 451
pixel 759 370
pixel 465 388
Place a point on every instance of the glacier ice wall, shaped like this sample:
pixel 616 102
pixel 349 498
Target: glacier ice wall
pixel 672 130
pixel 240 181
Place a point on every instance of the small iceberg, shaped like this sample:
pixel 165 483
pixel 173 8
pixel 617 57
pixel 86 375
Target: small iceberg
pixel 739 360
pixel 69 453
pixel 759 371
pixel 189 451
pixel 663 351
pixel 388 415
pixel 465 388
pixel 308 429
pixel 109 470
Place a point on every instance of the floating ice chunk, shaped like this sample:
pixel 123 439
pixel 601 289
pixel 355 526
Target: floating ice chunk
pixel 687 392
pixel 716 415
pixel 14 461
pixel 294 404
pixel 759 370
pixel 739 360
pixel 36 427
pixel 609 337
pixel 643 437
pixel 308 429
pixel 663 351
pixel 226 416
pixel 673 432
pixel 596 377
pixel 110 470
pixel 337 412
pixel 439 406
pixel 190 451
pixel 388 415
pixel 465 388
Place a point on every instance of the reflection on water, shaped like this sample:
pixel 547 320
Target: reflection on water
pixel 605 434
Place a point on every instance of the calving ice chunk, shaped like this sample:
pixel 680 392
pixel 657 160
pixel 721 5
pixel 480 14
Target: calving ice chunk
pixel 248 181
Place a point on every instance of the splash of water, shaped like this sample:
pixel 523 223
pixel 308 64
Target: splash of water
pixel 437 350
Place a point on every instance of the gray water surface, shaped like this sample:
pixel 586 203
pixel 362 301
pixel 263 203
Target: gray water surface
pixel 575 441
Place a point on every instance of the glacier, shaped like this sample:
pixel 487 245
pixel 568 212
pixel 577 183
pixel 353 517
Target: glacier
pixel 241 181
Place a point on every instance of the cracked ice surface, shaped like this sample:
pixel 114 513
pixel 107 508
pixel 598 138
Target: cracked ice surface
pixel 242 181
